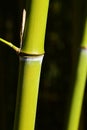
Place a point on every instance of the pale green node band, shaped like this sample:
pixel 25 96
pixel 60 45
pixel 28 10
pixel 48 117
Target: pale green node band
pixel 35 27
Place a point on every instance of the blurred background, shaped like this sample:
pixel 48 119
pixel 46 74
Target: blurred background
pixel 63 38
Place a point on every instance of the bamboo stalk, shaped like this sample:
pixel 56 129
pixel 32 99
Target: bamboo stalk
pixel 27 94
pixel 35 27
pixel 79 86
pixel 30 65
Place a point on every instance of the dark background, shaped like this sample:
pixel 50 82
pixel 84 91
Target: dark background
pixel 63 38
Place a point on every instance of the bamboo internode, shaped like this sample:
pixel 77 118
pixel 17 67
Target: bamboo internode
pixel 35 27
pixel 29 76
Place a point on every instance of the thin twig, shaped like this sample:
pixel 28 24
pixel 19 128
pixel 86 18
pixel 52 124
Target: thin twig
pixel 10 45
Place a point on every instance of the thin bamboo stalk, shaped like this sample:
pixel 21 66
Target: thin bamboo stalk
pixel 79 86
pixel 35 27
pixel 30 65
pixel 27 94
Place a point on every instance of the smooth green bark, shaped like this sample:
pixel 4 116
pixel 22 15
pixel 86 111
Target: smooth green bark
pixel 31 55
pixel 29 77
pixel 79 86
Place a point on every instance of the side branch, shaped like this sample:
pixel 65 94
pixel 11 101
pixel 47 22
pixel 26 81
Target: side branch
pixel 10 45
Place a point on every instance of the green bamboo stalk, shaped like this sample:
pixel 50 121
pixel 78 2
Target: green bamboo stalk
pixel 31 55
pixel 35 27
pixel 27 94
pixel 79 87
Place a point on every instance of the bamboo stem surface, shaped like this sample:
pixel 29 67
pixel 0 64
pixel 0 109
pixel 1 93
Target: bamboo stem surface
pixel 30 64
pixel 79 86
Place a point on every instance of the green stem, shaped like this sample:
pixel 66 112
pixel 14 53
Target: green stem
pixel 29 76
pixel 30 67
pixel 10 45
pixel 79 86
